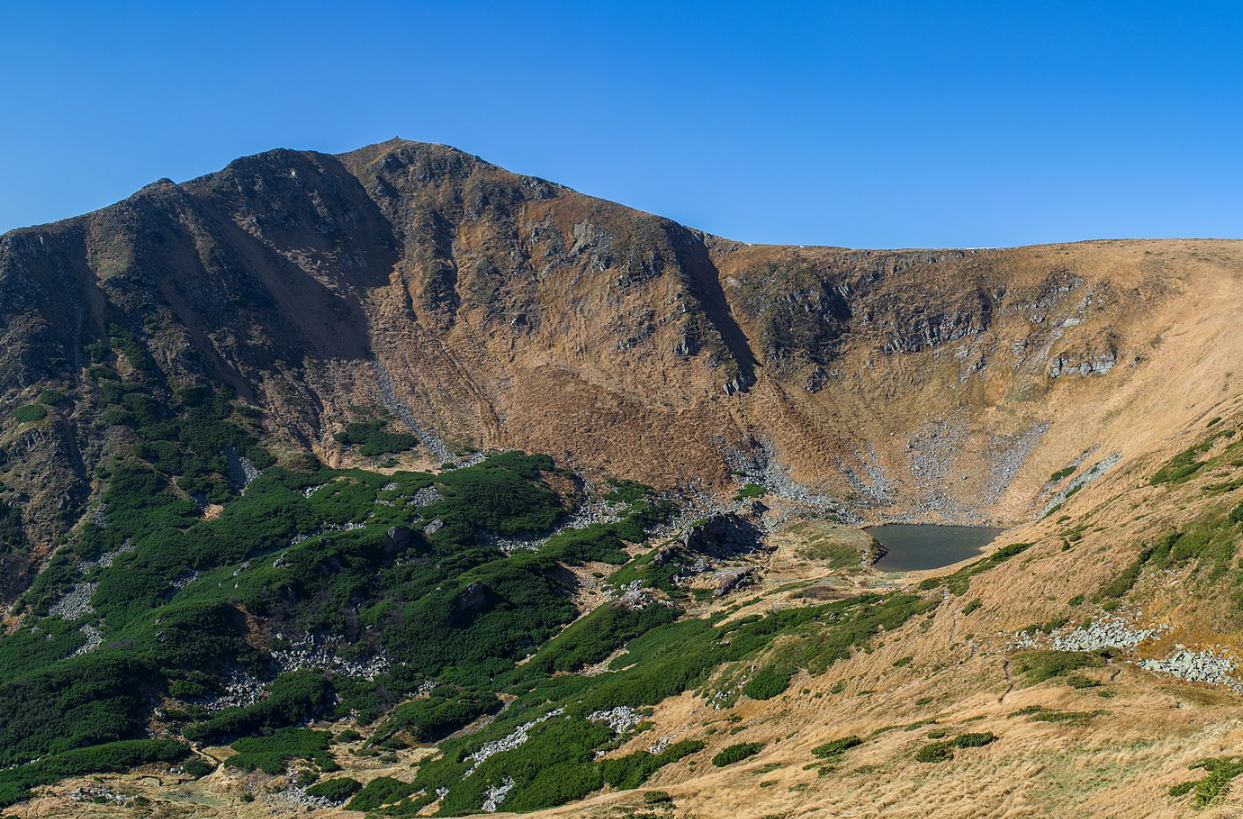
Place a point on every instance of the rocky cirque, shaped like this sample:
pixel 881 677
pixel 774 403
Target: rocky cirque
pixel 484 309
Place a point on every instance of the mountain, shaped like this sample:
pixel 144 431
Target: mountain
pixel 311 378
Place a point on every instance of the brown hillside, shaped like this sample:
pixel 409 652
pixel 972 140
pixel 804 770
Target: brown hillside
pixel 1041 388
pixel 496 310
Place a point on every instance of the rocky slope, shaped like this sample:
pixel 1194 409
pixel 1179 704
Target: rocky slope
pixel 488 310
pixel 399 310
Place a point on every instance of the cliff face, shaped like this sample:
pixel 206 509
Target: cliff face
pixel 486 309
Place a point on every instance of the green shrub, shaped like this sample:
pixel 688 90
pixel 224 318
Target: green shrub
pixel 504 494
pixel 935 752
pixel 113 757
pixel 594 637
pixel 737 753
pixel 767 683
pixel 834 749
pixel 958 582
pixel 632 770
pixel 293 697
pixel 1179 469
pixel 12 535
pixel 270 754
pixel 1066 717
pixel 596 542
pixel 624 491
pixel 972 606
pixel 441 713
pixel 1079 681
pixel 751 490
pixel 87 700
pixel 1220 773
pixel 382 790
pixel 372 438
pixel 973 740
pixel 197 768
pixel 1062 474
pixel 29 414
pixel 335 790
pixel 1041 665
pixel 554 785
pixel 133 349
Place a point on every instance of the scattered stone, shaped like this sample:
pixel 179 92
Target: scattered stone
pixel 426 496
pixel 399 408
pixel 1198 666
pixel 621 719
pixel 1113 633
pixel 98 793
pixel 318 651
pixel 495 795
pixel 76 603
pixel 94 639
pixel 1097 470
pixel 509 742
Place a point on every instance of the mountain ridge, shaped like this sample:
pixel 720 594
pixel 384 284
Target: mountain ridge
pixel 264 518
pixel 289 257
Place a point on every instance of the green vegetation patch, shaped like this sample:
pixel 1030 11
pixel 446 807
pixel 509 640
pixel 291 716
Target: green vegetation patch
pixel 505 494
pixel 836 748
pixel 768 682
pixel 737 753
pixel 1044 664
pixel 29 413
pixel 1062 474
pixel 1211 539
pixel 592 638
pixel 335 790
pixel 373 438
pixel 292 698
pixel 1184 466
pixel 445 710
pixel 935 752
pixel 12 535
pixel 383 790
pixel 1074 718
pixel 271 753
pixel 1219 774
pixel 197 768
pixel 71 704
pixel 112 757
pixel 958 582
pixel 944 751
pixel 751 490
pixel 632 770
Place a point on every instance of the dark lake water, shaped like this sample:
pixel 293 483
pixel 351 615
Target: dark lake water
pixel 913 547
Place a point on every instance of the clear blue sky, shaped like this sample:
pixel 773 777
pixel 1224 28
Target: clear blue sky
pixel 879 124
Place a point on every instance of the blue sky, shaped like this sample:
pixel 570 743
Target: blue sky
pixel 868 124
